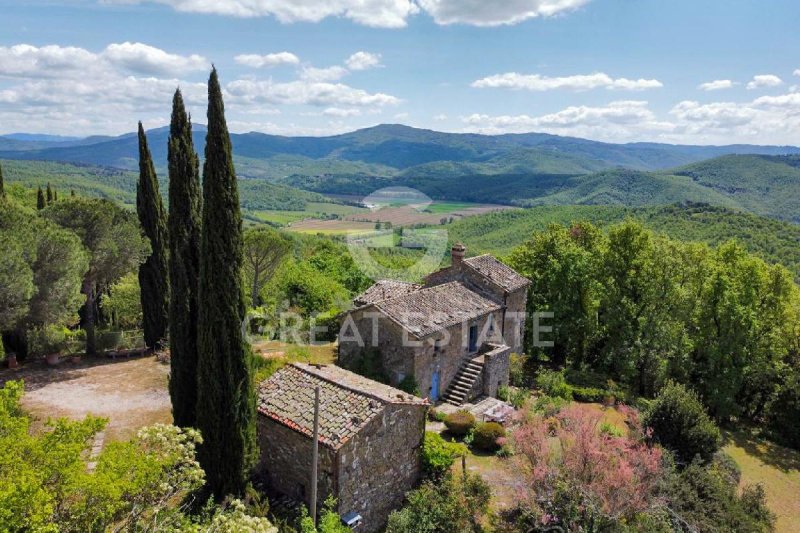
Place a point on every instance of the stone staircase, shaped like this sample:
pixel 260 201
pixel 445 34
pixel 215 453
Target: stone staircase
pixel 458 391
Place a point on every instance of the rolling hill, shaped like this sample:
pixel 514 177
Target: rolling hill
pixel 390 148
pixel 773 240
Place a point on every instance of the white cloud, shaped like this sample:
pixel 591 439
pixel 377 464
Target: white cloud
pixel 377 13
pixel 796 72
pixel 363 60
pixel 268 60
pixel 489 13
pixel 764 80
pixel 401 116
pixel 441 117
pixel 323 74
pixel 581 82
pixel 138 57
pixel 303 92
pixel 716 85
pixel 341 112
pixel 55 61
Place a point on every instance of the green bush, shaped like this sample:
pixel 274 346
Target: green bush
pixel 519 373
pixel 519 397
pixel 459 423
pixel 588 394
pixel 438 455
pixel 486 435
pixel 409 385
pixel 680 423
pixel 553 384
pixel 436 416
pixel 47 340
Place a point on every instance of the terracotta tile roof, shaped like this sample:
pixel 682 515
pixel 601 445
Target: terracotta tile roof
pixel 433 309
pixel 497 272
pixel 347 401
pixel 383 290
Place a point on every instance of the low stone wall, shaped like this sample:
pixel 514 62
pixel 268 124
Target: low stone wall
pixel 496 368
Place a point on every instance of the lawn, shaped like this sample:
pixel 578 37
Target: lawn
pixel 776 468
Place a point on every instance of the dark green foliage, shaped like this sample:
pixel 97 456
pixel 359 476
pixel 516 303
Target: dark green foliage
pixel 409 385
pixel 680 423
pixel 553 384
pixel 454 504
pixel 784 412
pixel 438 455
pixel 2 185
pixel 459 423
pixel 40 202
pixel 486 435
pixel 184 223
pixel 153 273
pixel 225 396
pixel 116 247
pixel 706 499
pixel 49 194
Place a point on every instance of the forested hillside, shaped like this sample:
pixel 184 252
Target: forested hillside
pixel 772 240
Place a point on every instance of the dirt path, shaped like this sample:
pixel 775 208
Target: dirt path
pixel 131 393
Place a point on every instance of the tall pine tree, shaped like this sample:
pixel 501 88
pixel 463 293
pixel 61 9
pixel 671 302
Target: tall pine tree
pixel 225 396
pixel 185 206
pixel 2 186
pixel 153 273
pixel 40 199
pixel 49 194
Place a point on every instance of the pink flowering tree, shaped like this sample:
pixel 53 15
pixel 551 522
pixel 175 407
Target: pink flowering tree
pixel 584 474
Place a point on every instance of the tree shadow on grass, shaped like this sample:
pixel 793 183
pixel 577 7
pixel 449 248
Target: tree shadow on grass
pixel 784 459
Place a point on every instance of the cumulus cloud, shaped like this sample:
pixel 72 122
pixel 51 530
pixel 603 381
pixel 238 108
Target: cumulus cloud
pixel 55 61
pixel 377 13
pixel 363 60
pixel 441 117
pixel 796 72
pixel 581 82
pixel 302 92
pixel 380 13
pixel 341 112
pixel 268 60
pixel 716 85
pixel 323 74
pixel 764 80
pixel 488 13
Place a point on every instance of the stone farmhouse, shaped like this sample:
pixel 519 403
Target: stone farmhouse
pixel 370 439
pixel 453 334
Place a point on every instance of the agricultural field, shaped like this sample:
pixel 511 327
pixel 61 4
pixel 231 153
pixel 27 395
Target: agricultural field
pixel 397 215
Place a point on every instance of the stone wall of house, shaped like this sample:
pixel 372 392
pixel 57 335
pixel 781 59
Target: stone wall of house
pixel 380 464
pixel 452 354
pixel 285 461
pixel 496 368
pixel 514 327
pixel 395 359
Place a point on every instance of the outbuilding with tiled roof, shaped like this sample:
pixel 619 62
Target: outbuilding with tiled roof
pixel 370 437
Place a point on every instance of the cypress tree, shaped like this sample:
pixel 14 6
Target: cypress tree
pixel 72 193
pixel 55 195
pixel 49 194
pixel 2 186
pixel 184 263
pixel 225 396
pixel 153 275
pixel 40 199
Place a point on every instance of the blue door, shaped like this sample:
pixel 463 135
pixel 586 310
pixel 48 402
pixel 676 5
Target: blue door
pixel 435 386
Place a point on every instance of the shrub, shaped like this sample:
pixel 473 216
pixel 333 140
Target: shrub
pixel 459 423
pixel 438 455
pixel 588 394
pixel 487 434
pixel 519 397
pixel 46 340
pixel 611 430
pixel 436 416
pixel 409 385
pixel 680 423
pixel 519 371
pixel 553 384
pixel 504 393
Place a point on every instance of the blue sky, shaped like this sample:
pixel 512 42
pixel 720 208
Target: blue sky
pixel 707 71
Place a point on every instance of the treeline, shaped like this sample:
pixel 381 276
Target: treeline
pixel 644 309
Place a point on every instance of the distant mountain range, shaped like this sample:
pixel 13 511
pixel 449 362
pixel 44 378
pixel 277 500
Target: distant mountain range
pixel 520 169
pixel 386 150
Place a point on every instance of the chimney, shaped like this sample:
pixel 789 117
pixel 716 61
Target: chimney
pixel 457 254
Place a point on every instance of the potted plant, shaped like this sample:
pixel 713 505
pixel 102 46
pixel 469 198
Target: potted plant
pixel 48 341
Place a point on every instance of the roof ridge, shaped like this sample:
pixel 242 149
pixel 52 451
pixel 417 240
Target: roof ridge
pixel 353 389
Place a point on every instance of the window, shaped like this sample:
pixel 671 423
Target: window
pixel 473 338
pixel 437 347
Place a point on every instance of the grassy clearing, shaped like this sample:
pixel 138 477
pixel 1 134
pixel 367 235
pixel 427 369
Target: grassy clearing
pixel 449 207
pixel 776 468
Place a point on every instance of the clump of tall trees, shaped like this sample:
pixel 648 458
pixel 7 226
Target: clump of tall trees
pixel 644 309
